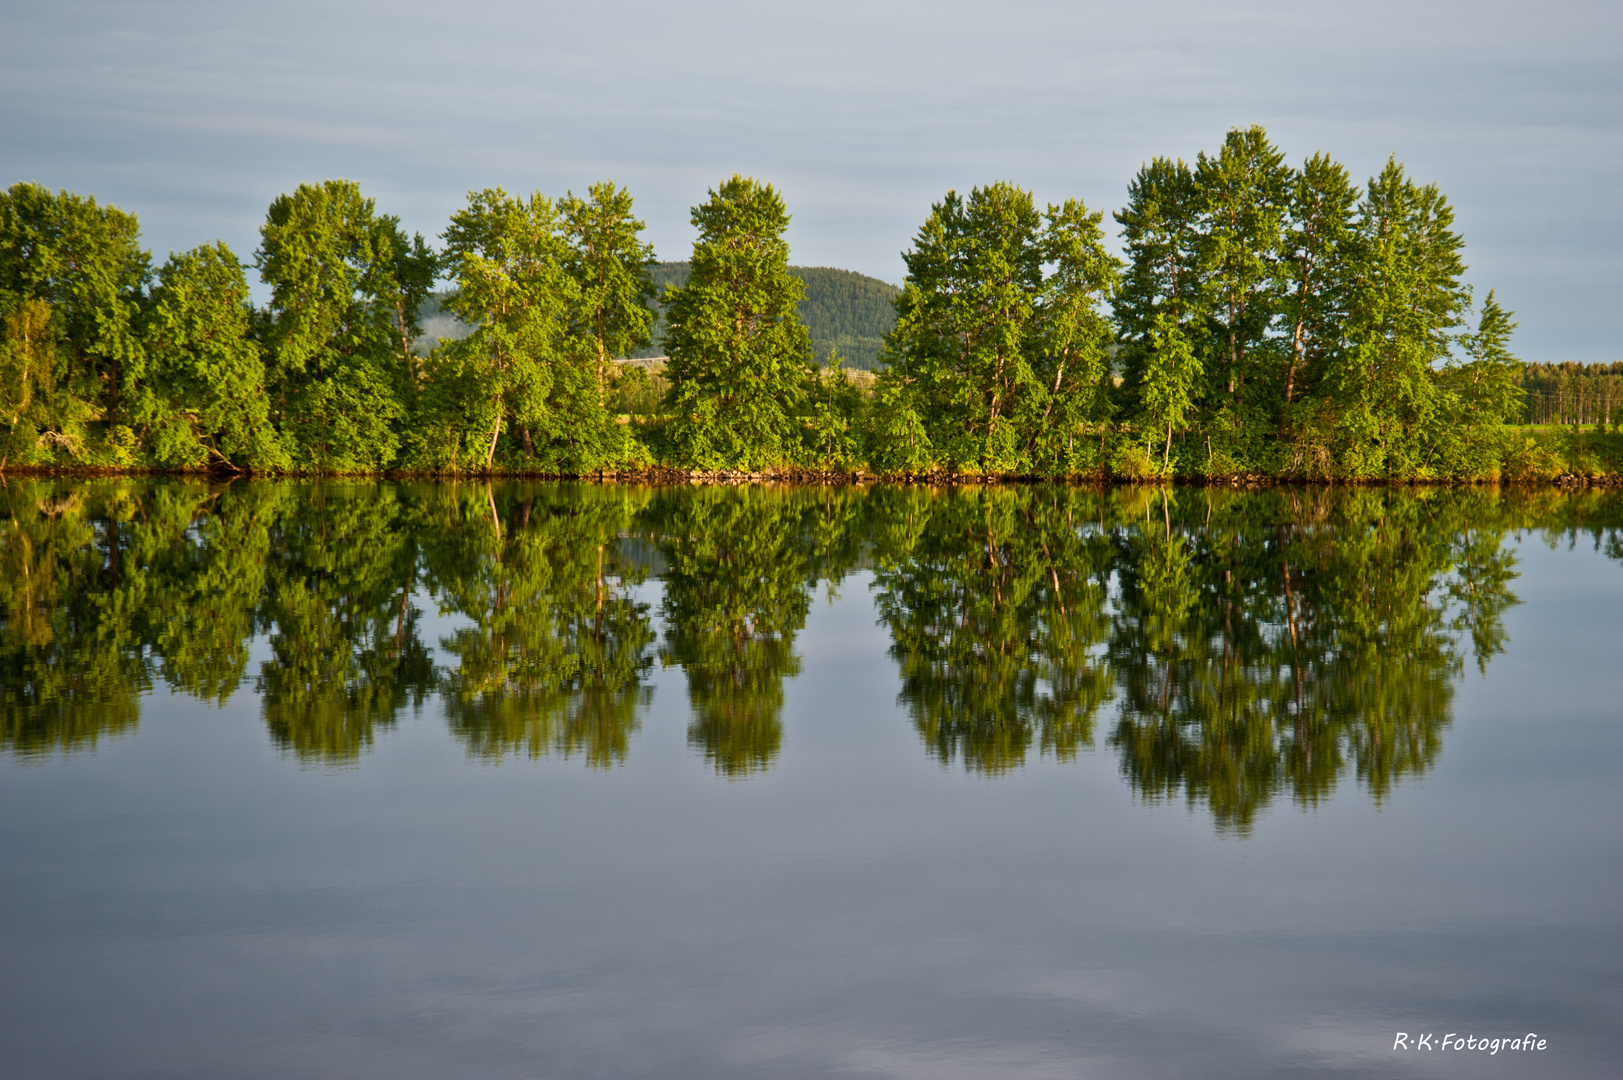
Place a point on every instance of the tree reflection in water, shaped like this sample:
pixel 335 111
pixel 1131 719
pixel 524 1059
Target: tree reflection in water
pixel 345 655
pixel 995 600
pixel 1228 646
pixel 1251 642
pixel 742 566
pixel 559 648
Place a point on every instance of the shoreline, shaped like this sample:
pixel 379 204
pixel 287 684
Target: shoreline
pixel 665 477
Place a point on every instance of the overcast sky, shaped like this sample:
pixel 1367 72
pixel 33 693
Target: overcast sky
pixel 195 115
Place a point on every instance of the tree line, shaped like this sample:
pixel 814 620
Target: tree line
pixel 1575 394
pixel 1267 319
pixel 1229 647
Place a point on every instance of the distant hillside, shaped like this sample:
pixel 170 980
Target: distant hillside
pixel 845 311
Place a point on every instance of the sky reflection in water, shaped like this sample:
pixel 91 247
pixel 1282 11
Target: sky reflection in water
pixel 928 863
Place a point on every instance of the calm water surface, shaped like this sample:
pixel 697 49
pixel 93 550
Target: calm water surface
pixel 572 781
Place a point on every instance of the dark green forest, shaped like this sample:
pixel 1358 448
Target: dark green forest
pixel 1267 320
pixel 1576 394
pixel 846 313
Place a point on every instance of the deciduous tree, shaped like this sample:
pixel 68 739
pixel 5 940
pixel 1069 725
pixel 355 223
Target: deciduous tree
pixel 740 359
pixel 345 283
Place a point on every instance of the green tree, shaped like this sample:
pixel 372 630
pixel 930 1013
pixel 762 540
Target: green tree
pixel 1073 358
pixel 71 670
pixel 742 563
pixel 345 653
pixel 1273 643
pixel 107 586
pixel 345 283
pixel 837 414
pixel 518 369
pixel 558 649
pixel 1167 394
pixel 1242 198
pixel 966 325
pixel 1405 300
pixel 995 604
pixel 29 366
pixel 1318 252
pixel 199 398
pixel 1489 382
pixel 740 359
pixel 1159 231
pixel 609 261
pixel 71 278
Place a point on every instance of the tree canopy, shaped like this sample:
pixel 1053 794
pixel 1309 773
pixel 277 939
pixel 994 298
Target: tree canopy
pixel 1265 320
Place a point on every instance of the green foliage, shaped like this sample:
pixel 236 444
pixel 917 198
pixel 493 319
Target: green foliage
pixel 837 415
pixel 345 654
pixel 1569 393
pixel 1243 198
pixel 1074 339
pixel 965 325
pixel 199 395
pixel 1318 245
pixel 71 278
pixel 736 594
pixel 1162 273
pixel 608 262
pixel 345 287
pixel 1405 300
pixel 1230 649
pixel 740 359
pixel 1170 371
pixel 520 367
pixel 996 609
pixel 899 444
pixel 557 652
pixel 1268 321
pixel 1003 367
pixel 846 313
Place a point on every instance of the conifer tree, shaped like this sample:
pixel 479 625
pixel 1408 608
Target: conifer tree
pixel 1489 382
pixel 740 360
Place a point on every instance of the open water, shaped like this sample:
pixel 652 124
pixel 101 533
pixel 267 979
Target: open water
pixel 522 780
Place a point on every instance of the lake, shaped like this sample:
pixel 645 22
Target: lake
pixel 572 780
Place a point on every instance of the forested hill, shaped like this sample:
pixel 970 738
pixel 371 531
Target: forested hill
pixel 845 311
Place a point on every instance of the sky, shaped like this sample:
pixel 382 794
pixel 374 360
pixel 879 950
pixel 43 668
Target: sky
pixel 194 116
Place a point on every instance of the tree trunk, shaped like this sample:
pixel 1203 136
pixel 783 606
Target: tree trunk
pixel 1296 358
pixel 405 341
pixel 495 432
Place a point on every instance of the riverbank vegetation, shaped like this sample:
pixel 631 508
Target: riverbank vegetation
pixel 1267 322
